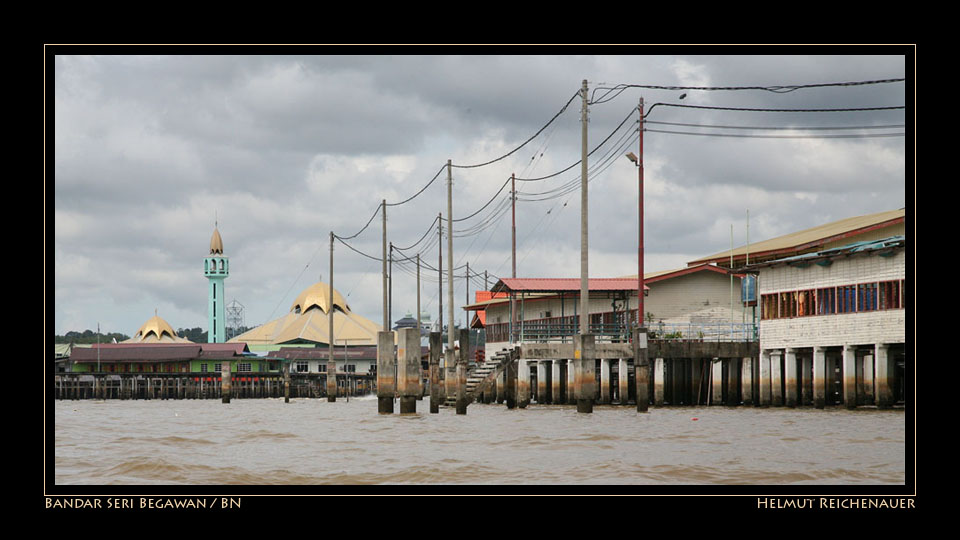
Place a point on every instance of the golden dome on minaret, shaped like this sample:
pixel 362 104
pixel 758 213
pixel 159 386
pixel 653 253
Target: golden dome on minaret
pixel 216 243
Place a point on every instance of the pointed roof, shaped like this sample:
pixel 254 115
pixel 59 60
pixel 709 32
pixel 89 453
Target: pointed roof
pixel 216 243
pixel 156 330
pixel 307 322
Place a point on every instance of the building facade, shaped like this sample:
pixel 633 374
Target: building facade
pixel 833 326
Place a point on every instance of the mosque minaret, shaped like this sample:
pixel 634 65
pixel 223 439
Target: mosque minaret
pixel 216 267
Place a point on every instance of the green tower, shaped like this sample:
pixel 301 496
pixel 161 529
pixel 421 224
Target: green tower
pixel 216 267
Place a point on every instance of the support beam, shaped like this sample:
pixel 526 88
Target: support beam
pixel 790 377
pixel 776 379
pixel 605 377
pixel 408 369
pixel 436 350
pixel 386 372
pixel 765 382
pixel 819 377
pixel 658 375
pixel 884 376
pixel 716 380
pixel 586 385
pixel 226 386
pixel 555 381
pixel 849 377
pixel 623 381
pixel 746 380
pixel 523 383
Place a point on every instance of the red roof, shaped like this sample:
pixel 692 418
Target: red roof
pixel 156 352
pixel 566 284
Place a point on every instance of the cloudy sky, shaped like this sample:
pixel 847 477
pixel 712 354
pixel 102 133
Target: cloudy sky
pixel 149 151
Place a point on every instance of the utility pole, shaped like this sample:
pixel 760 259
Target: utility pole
pixel 584 350
pixel 513 249
pixel 640 311
pixel 390 288
pixel 331 363
pixel 440 266
pixel 419 324
pixel 450 332
pixel 468 284
pixel 584 263
pixel 386 316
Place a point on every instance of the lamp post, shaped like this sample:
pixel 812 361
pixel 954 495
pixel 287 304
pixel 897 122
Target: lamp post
pixel 638 161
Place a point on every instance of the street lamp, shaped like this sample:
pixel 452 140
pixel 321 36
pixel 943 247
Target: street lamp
pixel 638 161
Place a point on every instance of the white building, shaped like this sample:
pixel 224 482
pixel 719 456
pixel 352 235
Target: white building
pixel 833 325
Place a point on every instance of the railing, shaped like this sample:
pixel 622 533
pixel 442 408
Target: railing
pixel 552 331
pixel 711 332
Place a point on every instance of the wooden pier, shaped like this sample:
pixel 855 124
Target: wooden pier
pixel 249 385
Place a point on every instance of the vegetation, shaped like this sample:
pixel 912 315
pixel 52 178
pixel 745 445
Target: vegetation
pixel 89 336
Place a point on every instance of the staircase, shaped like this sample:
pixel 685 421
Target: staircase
pixel 482 375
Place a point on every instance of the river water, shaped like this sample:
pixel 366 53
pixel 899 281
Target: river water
pixel 313 442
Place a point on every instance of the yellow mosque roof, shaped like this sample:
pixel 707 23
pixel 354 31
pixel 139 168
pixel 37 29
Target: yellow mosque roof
pixel 307 322
pixel 156 330
pixel 216 243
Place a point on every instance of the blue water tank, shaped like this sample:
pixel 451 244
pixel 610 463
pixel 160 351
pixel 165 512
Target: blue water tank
pixel 748 289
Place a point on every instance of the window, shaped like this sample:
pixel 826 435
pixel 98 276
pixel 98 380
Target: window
pixel 244 367
pixel 321 368
pixel 302 366
pixel 889 295
pixel 826 301
pixel 217 368
pixel 203 368
pixel 806 303
pixel 768 306
pixel 788 304
pixel 867 297
pixel 847 299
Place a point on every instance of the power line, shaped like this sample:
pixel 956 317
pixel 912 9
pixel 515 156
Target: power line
pixel 574 96
pixel 778 89
pixel 748 109
pixel 848 136
pixel 822 128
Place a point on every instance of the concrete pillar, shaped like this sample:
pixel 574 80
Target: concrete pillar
pixel 510 384
pixel 541 381
pixel 697 383
pixel 463 359
pixel 286 382
pixel 765 391
pixel 790 377
pixel 555 382
pixel 571 382
pixel 408 369
pixel 733 379
pixel 868 380
pixel 386 372
pixel 746 380
pixel 776 379
pixel 585 352
pixel 226 385
pixel 623 381
pixel 449 373
pixel 523 383
pixel 436 389
pixel 849 376
pixel 658 374
pixel 716 374
pixel 884 375
pixel 641 369
pixel 807 381
pixel 605 377
pixel 819 377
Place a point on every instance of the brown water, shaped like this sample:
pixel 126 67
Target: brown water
pixel 313 442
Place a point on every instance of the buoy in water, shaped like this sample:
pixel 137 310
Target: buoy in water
pixel 694 419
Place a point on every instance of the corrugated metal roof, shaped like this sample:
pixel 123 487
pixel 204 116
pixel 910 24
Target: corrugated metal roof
pixel 564 284
pixel 893 242
pixel 809 238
